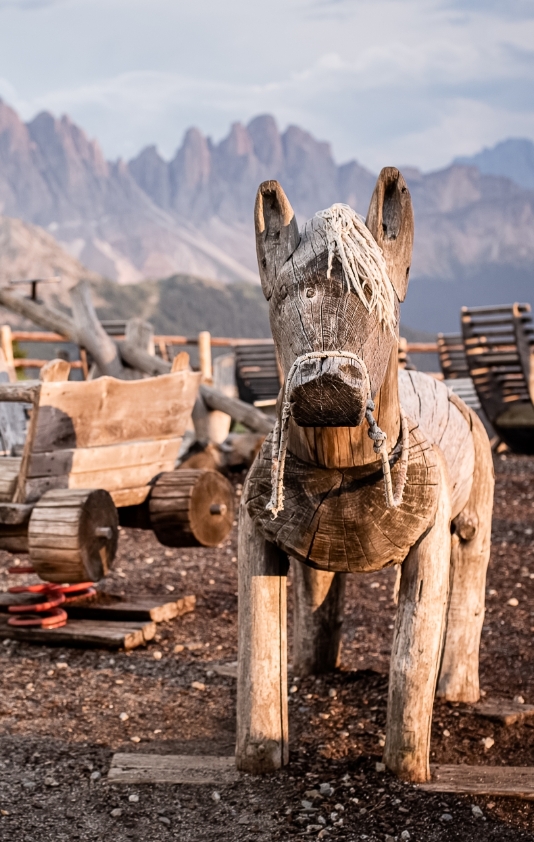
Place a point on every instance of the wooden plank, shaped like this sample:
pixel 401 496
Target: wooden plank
pixel 506 712
pixel 115 457
pixel 106 634
pixel 106 411
pixel 516 781
pixel 24 391
pixel 134 610
pixel 137 768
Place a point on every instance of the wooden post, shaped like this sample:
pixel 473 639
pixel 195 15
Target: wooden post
pixel 417 641
pixel 91 334
pixel 6 343
pixel 459 679
pixel 140 334
pixel 262 731
pixel 204 356
pixel 318 618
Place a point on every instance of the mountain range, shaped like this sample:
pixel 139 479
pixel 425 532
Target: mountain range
pixel 151 218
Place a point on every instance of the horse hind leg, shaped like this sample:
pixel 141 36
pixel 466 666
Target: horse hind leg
pixel 318 598
pixel 470 552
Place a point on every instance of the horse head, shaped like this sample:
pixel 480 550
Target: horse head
pixel 334 290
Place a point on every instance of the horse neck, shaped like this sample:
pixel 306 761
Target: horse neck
pixel 351 447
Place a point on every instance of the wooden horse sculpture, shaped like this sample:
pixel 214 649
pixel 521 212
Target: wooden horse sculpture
pixel 368 466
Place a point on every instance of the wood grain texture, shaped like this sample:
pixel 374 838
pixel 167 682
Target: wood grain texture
pixel 85 633
pixel 343 524
pixel 506 781
pixel 319 599
pixel 137 768
pixel 417 641
pixel 191 508
pixel 63 538
pixel 262 725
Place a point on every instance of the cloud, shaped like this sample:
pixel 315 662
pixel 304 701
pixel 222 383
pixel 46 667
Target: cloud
pixel 25 5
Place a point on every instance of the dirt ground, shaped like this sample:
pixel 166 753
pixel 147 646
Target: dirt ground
pixel 60 713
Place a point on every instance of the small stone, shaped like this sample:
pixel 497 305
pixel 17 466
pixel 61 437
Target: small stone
pixel 150 560
pixel 4 813
pixel 178 648
pixel 332 693
pixel 324 716
pixel 49 781
pixel 198 685
pixel 405 836
pixel 380 767
pixel 311 827
pixel 321 819
pixel 133 798
pixel 323 833
pixel 446 733
pixel 389 838
pixel 519 700
pixel 164 820
pixel 313 793
pixel 513 602
pixel 135 739
pixel 157 655
pixel 344 734
pixel 293 689
pixel 339 807
pixel 61 665
pixel 307 805
pixel 123 716
pixel 170 588
pixel 216 796
pixel 445 817
pixel 116 813
pixel 477 812
pixel 95 776
pixel 326 789
pixel 487 742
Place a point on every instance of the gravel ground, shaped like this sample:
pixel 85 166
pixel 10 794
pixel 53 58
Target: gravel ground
pixel 60 713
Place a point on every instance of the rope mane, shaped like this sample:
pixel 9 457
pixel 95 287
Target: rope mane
pixel 362 261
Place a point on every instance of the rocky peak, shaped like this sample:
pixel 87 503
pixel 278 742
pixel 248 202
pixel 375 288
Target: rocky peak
pixel 267 143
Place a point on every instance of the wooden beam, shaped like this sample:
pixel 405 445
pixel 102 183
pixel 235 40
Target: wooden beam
pixel 240 411
pixel 24 391
pixel 90 333
pixel 108 635
pixel 515 781
pixel 137 768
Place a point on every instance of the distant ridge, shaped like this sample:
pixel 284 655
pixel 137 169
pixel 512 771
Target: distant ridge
pixel 513 158
pixel 192 215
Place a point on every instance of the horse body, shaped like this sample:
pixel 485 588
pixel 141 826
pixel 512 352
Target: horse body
pixel 316 490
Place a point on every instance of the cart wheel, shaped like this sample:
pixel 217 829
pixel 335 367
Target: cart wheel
pixel 73 535
pixel 191 508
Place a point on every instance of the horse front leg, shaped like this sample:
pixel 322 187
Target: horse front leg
pixel 319 598
pixel 417 642
pixel 262 722
pixel 471 544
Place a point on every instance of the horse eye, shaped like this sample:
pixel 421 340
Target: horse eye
pixel 310 292
pixel 283 291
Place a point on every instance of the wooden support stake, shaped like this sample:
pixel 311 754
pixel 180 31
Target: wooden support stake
pixel 6 343
pixel 262 729
pixel 204 356
pixel 318 618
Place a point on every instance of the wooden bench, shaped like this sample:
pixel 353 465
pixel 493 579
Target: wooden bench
pixel 498 346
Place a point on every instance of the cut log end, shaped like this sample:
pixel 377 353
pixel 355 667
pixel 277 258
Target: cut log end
pixel 73 535
pixel 191 508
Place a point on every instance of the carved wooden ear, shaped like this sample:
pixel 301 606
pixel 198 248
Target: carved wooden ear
pixel 277 233
pixel 390 221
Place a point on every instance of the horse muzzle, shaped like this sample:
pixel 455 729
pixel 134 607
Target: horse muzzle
pixel 328 391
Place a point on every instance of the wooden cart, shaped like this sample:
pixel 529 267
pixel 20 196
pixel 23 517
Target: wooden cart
pixel 97 453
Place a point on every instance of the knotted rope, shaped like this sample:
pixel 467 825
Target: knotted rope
pixel 280 436
pixel 364 267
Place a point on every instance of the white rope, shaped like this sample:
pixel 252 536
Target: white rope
pixel 364 267
pixel 281 429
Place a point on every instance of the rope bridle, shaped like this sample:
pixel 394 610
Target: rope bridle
pixel 280 437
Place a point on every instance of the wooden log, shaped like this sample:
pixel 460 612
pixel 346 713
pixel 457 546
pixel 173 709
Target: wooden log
pixel 55 371
pixel 25 391
pixel 73 535
pixel 141 360
pixel 318 618
pixel 262 721
pixel 459 678
pixel 503 711
pixel 90 333
pixel 190 508
pixel 240 411
pixel 46 317
pixel 6 344
pixel 107 607
pixel 204 356
pixel 417 640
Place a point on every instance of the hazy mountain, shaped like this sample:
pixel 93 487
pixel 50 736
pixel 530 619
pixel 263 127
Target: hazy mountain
pixel 154 218
pixel 513 158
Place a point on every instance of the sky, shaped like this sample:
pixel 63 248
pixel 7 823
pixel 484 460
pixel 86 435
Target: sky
pixel 388 82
